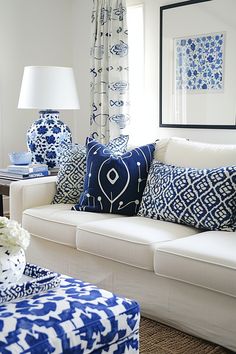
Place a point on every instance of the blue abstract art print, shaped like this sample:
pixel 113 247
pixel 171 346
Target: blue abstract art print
pixel 199 62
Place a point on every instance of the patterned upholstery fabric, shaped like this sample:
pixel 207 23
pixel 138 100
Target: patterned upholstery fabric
pixel 114 184
pixel 203 198
pixel 70 178
pixel 75 318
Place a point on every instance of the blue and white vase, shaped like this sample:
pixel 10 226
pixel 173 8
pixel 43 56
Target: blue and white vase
pixel 12 264
pixel 45 137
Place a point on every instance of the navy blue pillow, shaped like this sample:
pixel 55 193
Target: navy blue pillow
pixel 114 184
pixel 203 198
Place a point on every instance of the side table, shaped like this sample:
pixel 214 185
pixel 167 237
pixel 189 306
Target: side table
pixel 5 188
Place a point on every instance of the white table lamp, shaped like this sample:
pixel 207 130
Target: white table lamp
pixel 48 88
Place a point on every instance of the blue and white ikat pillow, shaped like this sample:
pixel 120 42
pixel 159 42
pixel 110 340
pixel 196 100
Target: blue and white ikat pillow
pixel 118 145
pixel 203 198
pixel 70 177
pixel 114 183
pixel 72 169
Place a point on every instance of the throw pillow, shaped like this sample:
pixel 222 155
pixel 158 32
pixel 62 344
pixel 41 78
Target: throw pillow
pixel 70 177
pixel 113 183
pixel 203 198
pixel 72 169
pixel 118 145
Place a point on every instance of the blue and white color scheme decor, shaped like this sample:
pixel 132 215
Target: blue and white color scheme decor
pixel 12 264
pixel 114 183
pixel 199 62
pixel 118 146
pixel 45 136
pixel 203 198
pixel 20 158
pixel 48 89
pixel 38 280
pixel 109 70
pixel 70 177
pixel 72 170
pixel 75 318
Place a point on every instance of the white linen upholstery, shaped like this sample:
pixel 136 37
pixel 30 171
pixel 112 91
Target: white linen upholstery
pixel 161 147
pixel 192 309
pixel 30 193
pixel 57 222
pixel 207 260
pixel 129 240
pixel 195 290
pixel 184 153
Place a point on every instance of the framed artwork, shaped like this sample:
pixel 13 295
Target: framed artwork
pixel 197 71
pixel 199 62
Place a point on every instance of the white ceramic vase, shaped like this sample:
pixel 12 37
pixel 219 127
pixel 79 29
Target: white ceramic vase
pixel 12 264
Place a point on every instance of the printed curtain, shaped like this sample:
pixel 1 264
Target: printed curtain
pixel 109 70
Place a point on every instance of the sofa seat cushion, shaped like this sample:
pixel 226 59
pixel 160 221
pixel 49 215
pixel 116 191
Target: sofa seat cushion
pixel 129 240
pixel 207 260
pixel 57 222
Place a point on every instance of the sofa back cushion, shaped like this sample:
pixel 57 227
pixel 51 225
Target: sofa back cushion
pixel 185 153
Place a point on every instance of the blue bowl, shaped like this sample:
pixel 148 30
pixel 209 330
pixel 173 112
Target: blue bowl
pixel 20 158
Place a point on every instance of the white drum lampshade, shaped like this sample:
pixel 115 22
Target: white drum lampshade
pixel 48 88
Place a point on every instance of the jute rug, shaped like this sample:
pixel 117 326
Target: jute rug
pixel 156 338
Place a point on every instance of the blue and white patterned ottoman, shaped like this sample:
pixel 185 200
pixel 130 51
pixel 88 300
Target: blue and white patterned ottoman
pixel 76 318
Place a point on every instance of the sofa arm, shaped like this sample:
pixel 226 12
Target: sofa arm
pixel 30 193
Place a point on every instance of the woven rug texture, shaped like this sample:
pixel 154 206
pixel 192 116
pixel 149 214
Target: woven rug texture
pixel 156 338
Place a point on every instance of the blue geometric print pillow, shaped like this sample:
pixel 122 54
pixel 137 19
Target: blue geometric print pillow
pixel 203 198
pixel 113 183
pixel 72 162
pixel 70 177
pixel 118 145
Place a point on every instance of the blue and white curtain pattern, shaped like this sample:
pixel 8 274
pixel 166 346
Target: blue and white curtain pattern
pixel 109 70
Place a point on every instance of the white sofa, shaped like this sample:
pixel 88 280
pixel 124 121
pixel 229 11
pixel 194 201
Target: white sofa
pixel 180 276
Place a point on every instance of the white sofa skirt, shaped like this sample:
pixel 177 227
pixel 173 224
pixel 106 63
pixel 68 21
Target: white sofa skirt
pixel 192 309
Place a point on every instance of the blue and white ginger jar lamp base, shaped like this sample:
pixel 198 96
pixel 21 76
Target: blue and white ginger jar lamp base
pixel 45 137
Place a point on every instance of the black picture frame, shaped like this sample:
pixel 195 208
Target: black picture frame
pixel 170 125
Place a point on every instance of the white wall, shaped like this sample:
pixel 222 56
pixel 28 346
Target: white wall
pixel 216 106
pixel 81 38
pixel 152 8
pixel 32 32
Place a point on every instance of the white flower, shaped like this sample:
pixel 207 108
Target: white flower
pixel 12 234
